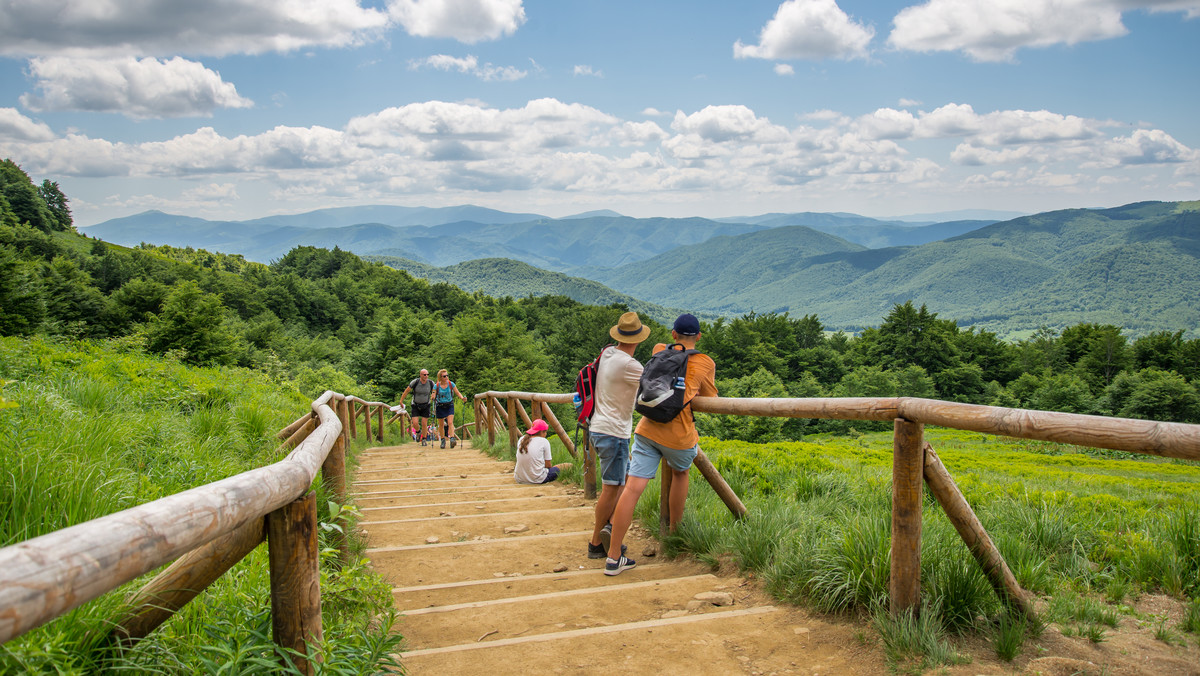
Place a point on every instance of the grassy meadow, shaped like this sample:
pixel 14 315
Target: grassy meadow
pixel 91 428
pixel 1086 530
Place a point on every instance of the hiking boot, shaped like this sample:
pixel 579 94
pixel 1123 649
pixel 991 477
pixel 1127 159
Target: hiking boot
pixel 453 442
pixel 443 442
pixel 616 567
pixel 606 537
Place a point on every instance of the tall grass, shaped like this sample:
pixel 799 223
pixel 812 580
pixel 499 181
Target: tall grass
pixel 101 427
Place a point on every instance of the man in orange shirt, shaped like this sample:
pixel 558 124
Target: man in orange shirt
pixel 674 441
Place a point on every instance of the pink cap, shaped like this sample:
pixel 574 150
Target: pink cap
pixel 537 426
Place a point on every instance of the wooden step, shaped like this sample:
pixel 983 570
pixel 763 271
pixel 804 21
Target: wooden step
pixel 422 596
pixel 704 644
pixel 494 557
pixel 468 525
pixel 423 508
pixel 552 611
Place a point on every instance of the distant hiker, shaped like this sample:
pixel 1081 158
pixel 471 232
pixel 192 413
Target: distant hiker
pixel 444 392
pixel 675 441
pixel 535 465
pixel 422 390
pixel 611 426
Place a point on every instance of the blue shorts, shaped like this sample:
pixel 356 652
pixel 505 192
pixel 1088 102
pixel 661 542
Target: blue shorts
pixel 445 410
pixel 614 457
pixel 551 475
pixel 647 454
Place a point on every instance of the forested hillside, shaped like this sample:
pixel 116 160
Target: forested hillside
pixel 1138 266
pixel 324 318
pixel 500 277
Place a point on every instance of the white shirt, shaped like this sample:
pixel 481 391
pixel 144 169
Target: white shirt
pixel 531 465
pixel 616 388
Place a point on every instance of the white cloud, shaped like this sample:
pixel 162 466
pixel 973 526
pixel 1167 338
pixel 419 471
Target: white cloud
pixel 166 27
pixel 468 21
pixel 469 65
pixel 887 123
pixel 587 71
pixel 809 29
pixel 1149 146
pixel 14 125
pixel 908 103
pixel 654 112
pixel 994 30
pixel 139 88
pixel 461 152
pixel 784 69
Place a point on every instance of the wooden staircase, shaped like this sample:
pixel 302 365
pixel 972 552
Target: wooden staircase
pixel 493 578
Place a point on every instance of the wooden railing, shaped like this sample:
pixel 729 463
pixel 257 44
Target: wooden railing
pixel 914 461
pixel 205 531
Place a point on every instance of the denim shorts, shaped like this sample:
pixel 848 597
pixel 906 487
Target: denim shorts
pixel 551 475
pixel 614 457
pixel 647 454
pixel 445 410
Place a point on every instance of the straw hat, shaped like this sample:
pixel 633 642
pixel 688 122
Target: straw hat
pixel 629 329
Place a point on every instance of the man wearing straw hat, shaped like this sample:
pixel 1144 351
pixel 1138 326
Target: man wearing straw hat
pixel 617 377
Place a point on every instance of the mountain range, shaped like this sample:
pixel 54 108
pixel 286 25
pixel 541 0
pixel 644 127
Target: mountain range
pixel 1136 266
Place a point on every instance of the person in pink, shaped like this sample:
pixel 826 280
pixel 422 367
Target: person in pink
pixel 535 465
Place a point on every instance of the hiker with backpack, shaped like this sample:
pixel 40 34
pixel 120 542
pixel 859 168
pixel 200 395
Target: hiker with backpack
pixel 422 391
pixel 444 392
pixel 617 375
pixel 675 375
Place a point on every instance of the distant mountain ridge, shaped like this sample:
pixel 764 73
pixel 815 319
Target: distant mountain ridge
pixel 1135 266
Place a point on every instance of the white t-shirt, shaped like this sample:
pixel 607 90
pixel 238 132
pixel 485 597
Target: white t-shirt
pixel 616 388
pixel 531 465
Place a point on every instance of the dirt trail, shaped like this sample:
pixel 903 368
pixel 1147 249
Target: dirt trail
pixel 492 578
pixel 478 600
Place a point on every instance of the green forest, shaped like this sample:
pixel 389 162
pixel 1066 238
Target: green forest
pixel 326 319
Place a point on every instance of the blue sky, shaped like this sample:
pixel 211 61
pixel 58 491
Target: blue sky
pixel 238 109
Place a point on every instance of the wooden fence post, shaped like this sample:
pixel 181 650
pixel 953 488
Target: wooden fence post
pixel 908 465
pixel 589 467
pixel 513 426
pixel 379 419
pixel 295 579
pixel 548 414
pixel 478 416
pixel 942 485
pixel 525 419
pixel 333 475
pixel 491 420
pixel 343 411
pixel 366 411
pixel 300 434
pixel 352 413
pixel 184 580
pixel 722 489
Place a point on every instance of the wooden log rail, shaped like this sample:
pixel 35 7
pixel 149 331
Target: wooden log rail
pixel 205 531
pixel 915 463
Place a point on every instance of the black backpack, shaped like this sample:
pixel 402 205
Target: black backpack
pixel 662 387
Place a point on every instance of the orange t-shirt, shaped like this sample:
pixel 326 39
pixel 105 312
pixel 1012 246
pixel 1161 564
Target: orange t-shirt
pixel 680 433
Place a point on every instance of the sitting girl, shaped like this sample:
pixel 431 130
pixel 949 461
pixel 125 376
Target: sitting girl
pixel 534 464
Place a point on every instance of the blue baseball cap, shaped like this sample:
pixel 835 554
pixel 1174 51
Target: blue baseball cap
pixel 687 325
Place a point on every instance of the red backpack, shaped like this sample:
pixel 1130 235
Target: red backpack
pixel 585 390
